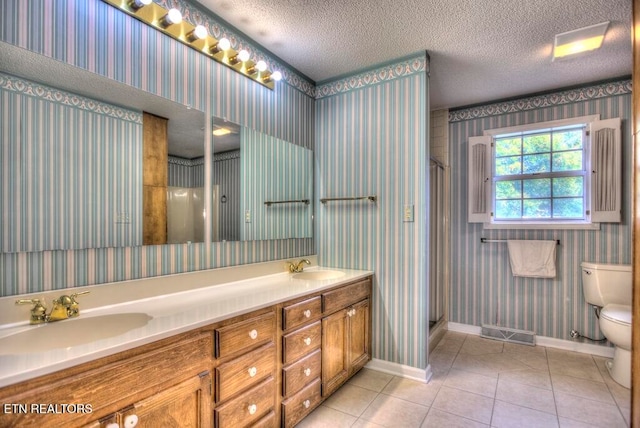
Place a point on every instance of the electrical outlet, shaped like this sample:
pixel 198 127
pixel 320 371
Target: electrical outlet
pixel 123 218
pixel 247 216
pixel 408 213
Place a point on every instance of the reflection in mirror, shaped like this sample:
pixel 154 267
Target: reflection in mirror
pixel 226 194
pixel 276 187
pixel 72 157
pixel 262 185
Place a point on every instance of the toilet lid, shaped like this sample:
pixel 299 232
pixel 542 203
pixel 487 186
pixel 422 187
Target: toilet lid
pixel 620 314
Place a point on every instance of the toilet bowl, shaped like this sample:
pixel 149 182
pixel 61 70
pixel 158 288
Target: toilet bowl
pixel 608 287
pixel 615 324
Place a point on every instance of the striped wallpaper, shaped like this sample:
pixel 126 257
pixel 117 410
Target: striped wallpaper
pixel 275 170
pixel 69 165
pixel 371 139
pixel 185 172
pixel 96 37
pixel 482 288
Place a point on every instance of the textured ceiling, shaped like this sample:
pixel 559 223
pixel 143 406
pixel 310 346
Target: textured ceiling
pixel 480 50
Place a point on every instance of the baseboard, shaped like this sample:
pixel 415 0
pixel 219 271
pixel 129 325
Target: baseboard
pixel 549 342
pixel 408 372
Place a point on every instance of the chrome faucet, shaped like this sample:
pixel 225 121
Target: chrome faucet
pixel 298 267
pixel 64 307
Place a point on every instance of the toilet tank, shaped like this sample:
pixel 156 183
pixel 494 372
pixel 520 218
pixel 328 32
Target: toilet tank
pixel 603 284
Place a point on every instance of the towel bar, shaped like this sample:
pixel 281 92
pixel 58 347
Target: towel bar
pixel 485 240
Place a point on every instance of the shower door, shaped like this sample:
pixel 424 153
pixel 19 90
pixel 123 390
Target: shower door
pixel 438 251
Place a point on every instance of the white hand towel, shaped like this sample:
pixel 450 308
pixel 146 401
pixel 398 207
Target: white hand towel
pixel 531 258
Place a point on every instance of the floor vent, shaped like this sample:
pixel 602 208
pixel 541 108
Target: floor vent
pixel 508 335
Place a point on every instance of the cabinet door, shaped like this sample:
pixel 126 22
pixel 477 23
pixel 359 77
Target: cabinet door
pixel 187 404
pixel 335 366
pixel 359 352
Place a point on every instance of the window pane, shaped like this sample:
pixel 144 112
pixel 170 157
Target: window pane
pixel 536 163
pixel 537 208
pixel 567 161
pixel 537 188
pixel 508 166
pixel 568 186
pixel 567 140
pixel 509 189
pixel 508 209
pixel 568 208
pixel 507 146
pixel 539 143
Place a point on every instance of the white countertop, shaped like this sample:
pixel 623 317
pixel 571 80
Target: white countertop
pixel 171 314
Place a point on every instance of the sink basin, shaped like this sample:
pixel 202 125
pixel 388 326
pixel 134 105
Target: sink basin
pixel 72 332
pixel 318 275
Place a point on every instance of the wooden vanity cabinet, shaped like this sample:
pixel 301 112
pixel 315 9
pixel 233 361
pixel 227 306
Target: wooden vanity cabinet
pixel 267 368
pixel 245 372
pixel 346 340
pixel 170 379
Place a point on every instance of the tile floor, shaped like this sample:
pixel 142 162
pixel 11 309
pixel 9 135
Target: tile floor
pixel 480 383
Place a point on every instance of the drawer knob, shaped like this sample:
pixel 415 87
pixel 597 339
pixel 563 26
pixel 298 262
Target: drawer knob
pixel 306 404
pixel 307 341
pixel 307 313
pixel 253 409
pixel 131 421
pixel 253 371
pixel 307 372
pixel 253 334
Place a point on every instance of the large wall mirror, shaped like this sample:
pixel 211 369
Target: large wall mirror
pixel 73 177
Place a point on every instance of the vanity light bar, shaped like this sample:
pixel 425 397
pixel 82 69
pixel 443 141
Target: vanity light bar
pixel 158 17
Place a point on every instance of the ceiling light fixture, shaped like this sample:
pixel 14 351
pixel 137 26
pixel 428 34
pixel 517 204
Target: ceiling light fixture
pixel 196 37
pixel 221 131
pixel 580 40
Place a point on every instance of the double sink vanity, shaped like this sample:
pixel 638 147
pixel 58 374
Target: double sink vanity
pixel 253 345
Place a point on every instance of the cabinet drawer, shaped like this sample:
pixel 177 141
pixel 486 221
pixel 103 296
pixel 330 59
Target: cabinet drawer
pixel 245 334
pixel 301 342
pixel 341 298
pixel 268 421
pixel 300 373
pixel 247 408
pixel 244 371
pixel 300 313
pixel 301 404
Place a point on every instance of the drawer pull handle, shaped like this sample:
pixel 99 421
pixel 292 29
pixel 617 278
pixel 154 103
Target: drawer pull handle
pixel 253 409
pixel 253 334
pixel 306 404
pixel 307 372
pixel 307 313
pixel 130 421
pixel 307 341
pixel 253 371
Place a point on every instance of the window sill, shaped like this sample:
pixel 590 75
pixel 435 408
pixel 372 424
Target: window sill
pixel 543 226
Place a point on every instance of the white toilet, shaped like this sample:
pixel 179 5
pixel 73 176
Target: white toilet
pixel 609 288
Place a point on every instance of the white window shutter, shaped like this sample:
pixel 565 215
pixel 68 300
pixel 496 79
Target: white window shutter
pixel 479 179
pixel 606 171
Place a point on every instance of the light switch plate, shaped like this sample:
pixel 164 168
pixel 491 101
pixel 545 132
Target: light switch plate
pixel 247 216
pixel 408 213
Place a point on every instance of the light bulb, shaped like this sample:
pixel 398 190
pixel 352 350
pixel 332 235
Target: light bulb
pixel 172 17
pixel 224 44
pixel 200 32
pixel 243 55
pixel 261 65
pixel 276 76
pixel 137 4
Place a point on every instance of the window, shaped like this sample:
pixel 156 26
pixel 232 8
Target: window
pixel 553 174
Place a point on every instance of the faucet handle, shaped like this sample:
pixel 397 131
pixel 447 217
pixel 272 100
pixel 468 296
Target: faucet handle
pixel 38 312
pixel 74 295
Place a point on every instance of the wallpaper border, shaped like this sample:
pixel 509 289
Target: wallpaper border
pixel 386 73
pixel 561 97
pixel 37 90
